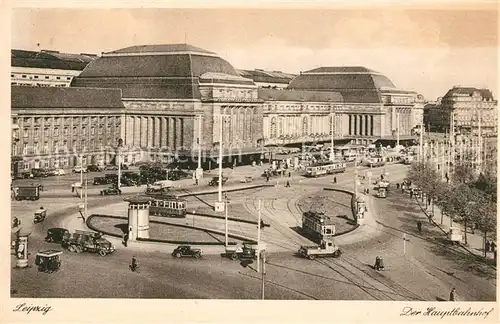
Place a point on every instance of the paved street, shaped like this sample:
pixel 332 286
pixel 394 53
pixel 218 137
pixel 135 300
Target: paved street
pixel 427 271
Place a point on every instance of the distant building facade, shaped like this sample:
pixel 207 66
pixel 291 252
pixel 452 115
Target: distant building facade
pixel 56 125
pixel 46 68
pixel 469 106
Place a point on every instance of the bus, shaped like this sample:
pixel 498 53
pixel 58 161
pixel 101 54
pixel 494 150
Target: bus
pixel 324 168
pixel 167 206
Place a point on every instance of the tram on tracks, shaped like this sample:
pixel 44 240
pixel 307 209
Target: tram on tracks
pixel 167 205
pixel 325 168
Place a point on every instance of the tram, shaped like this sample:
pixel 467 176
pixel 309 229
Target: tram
pixel 325 168
pixel 167 206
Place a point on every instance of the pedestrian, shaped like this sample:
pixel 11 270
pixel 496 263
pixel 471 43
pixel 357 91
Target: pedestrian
pixel 267 177
pixel 125 239
pixel 289 174
pixel 419 226
pixel 411 193
pixel 493 247
pixel 377 263
pixel 487 246
pixel 367 191
pixel 287 183
pixel 452 294
pixel 196 181
pixel 397 185
pixel 134 264
pixel 334 179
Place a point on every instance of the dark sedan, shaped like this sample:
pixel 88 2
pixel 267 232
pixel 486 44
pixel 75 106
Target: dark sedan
pixel 186 251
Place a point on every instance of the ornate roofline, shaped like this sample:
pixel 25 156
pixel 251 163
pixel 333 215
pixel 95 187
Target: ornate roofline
pixel 111 54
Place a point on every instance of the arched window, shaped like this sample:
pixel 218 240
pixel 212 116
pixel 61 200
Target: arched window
pixel 273 128
pixel 305 125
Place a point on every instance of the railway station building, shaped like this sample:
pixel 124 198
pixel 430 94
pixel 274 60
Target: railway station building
pixel 178 99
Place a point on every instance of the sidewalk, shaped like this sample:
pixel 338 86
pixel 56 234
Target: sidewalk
pixel 475 242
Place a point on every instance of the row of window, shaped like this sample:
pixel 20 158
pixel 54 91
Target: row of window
pixel 55 132
pixel 296 107
pixel 56 147
pixel 38 77
pixel 66 120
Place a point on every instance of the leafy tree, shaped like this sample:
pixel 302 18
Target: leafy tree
pixel 486 217
pixel 462 202
pixel 487 183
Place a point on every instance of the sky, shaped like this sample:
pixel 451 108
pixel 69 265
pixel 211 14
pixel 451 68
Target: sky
pixel 425 50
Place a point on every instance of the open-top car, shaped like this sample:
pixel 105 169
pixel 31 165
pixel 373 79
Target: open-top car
pixel 186 251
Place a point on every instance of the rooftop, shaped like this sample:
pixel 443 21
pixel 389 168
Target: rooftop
pixel 356 84
pixel 171 71
pixel 486 94
pixel 57 97
pixel 263 76
pixel 50 59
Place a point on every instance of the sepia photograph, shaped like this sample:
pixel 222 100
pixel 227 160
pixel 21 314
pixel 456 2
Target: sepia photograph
pixel 275 153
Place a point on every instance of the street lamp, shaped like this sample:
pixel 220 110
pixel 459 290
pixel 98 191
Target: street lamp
pixel 118 148
pixel 219 204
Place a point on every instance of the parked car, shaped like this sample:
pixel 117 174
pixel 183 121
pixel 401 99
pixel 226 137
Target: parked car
pixel 56 234
pixel 100 181
pixel 186 251
pixel 93 168
pixel 59 172
pixel 78 169
pixel 40 173
pixel 110 167
pixel 111 191
pixel 246 180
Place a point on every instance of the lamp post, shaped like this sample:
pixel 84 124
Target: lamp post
pixel 81 175
pixel 199 170
pixel 118 149
pixel 397 129
pixel 332 149
pixel 220 204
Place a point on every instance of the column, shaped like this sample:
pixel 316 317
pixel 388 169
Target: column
pixel 171 133
pixel 352 121
pixel 180 132
pixel 367 120
pixel 144 131
pixel 163 132
pixel 137 131
pixel 157 132
pixel 371 125
pixel 150 132
pixel 361 125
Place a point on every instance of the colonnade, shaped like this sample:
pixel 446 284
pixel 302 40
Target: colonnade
pixel 361 125
pixel 156 131
pixel 296 125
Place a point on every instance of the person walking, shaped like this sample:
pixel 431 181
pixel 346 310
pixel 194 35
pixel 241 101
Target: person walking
pixel 452 295
pixel 287 184
pixel 419 226
pixel 487 246
pixel 334 179
pixel 289 174
pixel 134 265
pixel 125 239
pixel 493 247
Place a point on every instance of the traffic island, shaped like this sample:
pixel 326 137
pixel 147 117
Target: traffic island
pixel 162 231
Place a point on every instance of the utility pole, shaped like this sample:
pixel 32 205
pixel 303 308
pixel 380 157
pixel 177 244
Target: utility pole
pixel 263 275
pixel 356 178
pixel 225 221
pixel 332 149
pixel 220 157
pixel 258 236
pixel 86 200
pixel 421 146
pixel 479 161
pixel 442 160
pixel 404 243
pixel 397 129
pixel 119 167
pixel 81 176
pixel 199 172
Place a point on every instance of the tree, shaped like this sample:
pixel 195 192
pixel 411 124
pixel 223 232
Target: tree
pixel 462 202
pixel 426 177
pixel 487 183
pixel 464 172
pixel 487 222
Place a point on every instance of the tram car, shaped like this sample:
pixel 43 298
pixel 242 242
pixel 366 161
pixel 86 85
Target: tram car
pixel 167 206
pixel 325 168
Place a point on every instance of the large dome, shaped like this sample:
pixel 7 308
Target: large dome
pixel 356 84
pixel 169 71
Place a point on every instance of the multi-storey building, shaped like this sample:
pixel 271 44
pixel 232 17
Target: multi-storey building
pixel 58 125
pixel 371 102
pixel 46 68
pixel 470 107
pixel 166 88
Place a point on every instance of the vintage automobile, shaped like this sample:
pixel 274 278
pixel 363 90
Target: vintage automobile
pixel 48 261
pixel 79 169
pixel 215 181
pixel 110 167
pixel 100 181
pixel 39 215
pixel 246 180
pixel 56 234
pixel 111 191
pixel 186 251
pixel 93 168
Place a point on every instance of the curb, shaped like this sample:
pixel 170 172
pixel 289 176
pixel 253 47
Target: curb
pixel 92 227
pixel 353 209
pixel 459 243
